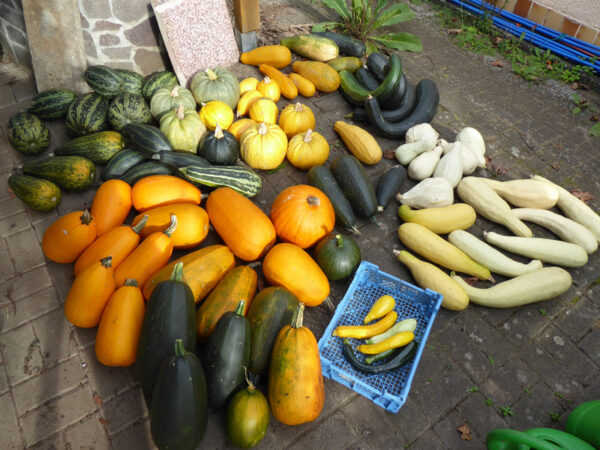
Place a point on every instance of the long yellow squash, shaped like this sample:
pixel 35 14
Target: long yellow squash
pixel 360 142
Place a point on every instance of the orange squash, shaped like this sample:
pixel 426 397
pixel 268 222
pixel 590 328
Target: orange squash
pixel 202 270
pixel 323 76
pixel 69 236
pixel 302 215
pixel 277 56
pixel 111 205
pixel 238 127
pixel 118 242
pixel 287 86
pixel 120 326
pixel 150 256
pixel 245 101
pixel 192 223
pixel 269 88
pixel 305 87
pixel 89 293
pixel 239 284
pixel 296 391
pixel 246 230
pixel 296 118
pixel 288 266
pixel 160 190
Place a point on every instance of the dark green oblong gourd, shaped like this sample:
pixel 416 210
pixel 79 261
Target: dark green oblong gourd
pixel 68 172
pixel 170 315
pixel 225 356
pixel 52 103
pixel 248 417
pixel 145 138
pixel 179 412
pixel 389 185
pixel 175 159
pixel 145 169
pixel 337 256
pixel 38 194
pixel 128 108
pixel 28 134
pixel 87 114
pixel 271 309
pixel 121 162
pixel 220 147
pixel 354 182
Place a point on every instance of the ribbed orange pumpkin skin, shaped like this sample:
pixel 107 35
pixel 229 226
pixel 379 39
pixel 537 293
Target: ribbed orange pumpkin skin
pixel 192 224
pixel 89 293
pixel 149 257
pixel 202 270
pixel 269 88
pixel 111 205
pixel 302 215
pixel 289 266
pixel 246 230
pixel 295 389
pixel 120 326
pixel 239 284
pixel 159 190
pixel 69 236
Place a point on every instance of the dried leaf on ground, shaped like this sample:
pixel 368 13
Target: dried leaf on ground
pixel 555 166
pixel 575 86
pixel 103 421
pixel 498 64
pixel 499 170
pixel 584 196
pixel 454 31
pixel 471 280
pixel 97 399
pixel 388 154
pixel 465 432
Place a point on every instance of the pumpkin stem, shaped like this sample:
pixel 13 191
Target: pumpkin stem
pixel 313 200
pixel 177 274
pixel 266 80
pixel 308 135
pixel 175 91
pixel 106 262
pixel 169 231
pixel 179 348
pixel 212 76
pixel 141 224
pixel 329 304
pixel 218 131
pixel 340 240
pixel 298 107
pixel 180 112
pixel 86 217
pixel 239 310
pixel 262 128
pixel 131 282
pixel 251 386
pixel 298 316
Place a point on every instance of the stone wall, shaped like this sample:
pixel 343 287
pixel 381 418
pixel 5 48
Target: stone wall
pixel 12 31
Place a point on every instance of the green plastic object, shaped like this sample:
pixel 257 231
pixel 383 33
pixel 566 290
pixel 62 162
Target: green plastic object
pixel 560 438
pixel 584 422
pixel 534 439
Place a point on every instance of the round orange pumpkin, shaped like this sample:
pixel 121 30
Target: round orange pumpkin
pixel 302 215
pixel 69 236
pixel 296 118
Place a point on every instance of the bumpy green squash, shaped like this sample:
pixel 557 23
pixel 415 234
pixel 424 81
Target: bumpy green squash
pixel 28 134
pixel 128 108
pixel 87 114
pixel 38 194
pixel 68 172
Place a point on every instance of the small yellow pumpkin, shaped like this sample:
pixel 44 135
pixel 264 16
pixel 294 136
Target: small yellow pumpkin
pixel 215 112
pixel 264 110
pixel 263 146
pixel 246 100
pixel 270 89
pixel 248 84
pixel 238 127
pixel 306 150
pixel 296 118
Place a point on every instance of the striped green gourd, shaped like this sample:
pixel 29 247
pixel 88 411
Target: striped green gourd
pixel 176 159
pixel 68 172
pixel 158 80
pixel 145 138
pixel 103 80
pixel 87 115
pixel 128 108
pixel 131 81
pixel 144 169
pixel 28 134
pixel 99 147
pixel 52 103
pixel 37 193
pixel 121 163
pixel 242 180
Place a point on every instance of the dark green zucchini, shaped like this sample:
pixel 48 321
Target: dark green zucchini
pixel 226 355
pixel 427 102
pixel 378 65
pixel 400 358
pixel 68 172
pixel 397 95
pixel 179 413
pixel 170 315
pixel 348 45
pixel 392 115
pixel 322 178
pixel 145 169
pixel 354 182
pixel 145 138
pixel 363 76
pixel 175 159
pixel 121 163
pixel 351 89
pixel 389 185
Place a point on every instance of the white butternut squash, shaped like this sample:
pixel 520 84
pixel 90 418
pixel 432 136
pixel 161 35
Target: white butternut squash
pixel 423 165
pixel 469 158
pixel 473 139
pixel 525 193
pixel 419 139
pixel 450 166
pixel 429 193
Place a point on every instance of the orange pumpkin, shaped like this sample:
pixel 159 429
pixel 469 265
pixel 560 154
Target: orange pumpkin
pixel 69 236
pixel 111 205
pixel 295 388
pixel 120 326
pixel 192 223
pixel 246 230
pixel 118 242
pixel 159 190
pixel 269 88
pixel 296 118
pixel 302 215
pixel 150 256
pixel 89 293
pixel 288 266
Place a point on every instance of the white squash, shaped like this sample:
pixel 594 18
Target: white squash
pixel 473 139
pixel 469 158
pixel 525 193
pixel 429 193
pixel 450 166
pixel 423 165
pixel 419 139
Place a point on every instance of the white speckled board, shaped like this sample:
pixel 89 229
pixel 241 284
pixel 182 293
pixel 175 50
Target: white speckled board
pixel 198 34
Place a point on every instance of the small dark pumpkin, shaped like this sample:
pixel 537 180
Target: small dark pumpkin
pixel 220 147
pixel 337 256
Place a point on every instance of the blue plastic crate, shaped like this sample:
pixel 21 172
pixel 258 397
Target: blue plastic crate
pixel 388 390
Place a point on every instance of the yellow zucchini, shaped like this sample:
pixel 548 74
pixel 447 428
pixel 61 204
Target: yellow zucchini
pixel 397 340
pixel 360 143
pixel 380 308
pixel 366 331
pixel 442 220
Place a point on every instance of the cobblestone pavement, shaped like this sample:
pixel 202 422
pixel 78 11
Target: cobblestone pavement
pixel 535 363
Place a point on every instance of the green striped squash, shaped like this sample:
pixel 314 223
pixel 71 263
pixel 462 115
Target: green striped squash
pixel 145 138
pixel 28 134
pixel 99 147
pixel 121 163
pixel 242 180
pixel 128 108
pixel 87 115
pixel 103 80
pixel 68 172
pixel 158 80
pixel 176 159
pixel 52 103
pixel 131 81
pixel 37 193
pixel 144 169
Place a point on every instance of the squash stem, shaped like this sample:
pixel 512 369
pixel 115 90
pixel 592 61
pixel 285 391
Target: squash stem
pixel 218 131
pixel 329 303
pixel 340 240
pixel 251 386
pixel 308 136
pixel 212 76
pixel 177 274
pixel 298 316
pixel 179 348
pixel 298 107
pixel 239 310
pixel 175 91
pixel 312 200
pixel 137 228
pixel 131 282
pixel 86 217
pixel 180 112
pixel 169 231
pixel 106 262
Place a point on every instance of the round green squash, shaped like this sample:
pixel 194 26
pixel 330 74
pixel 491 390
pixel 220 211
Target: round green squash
pixel 87 115
pixel 216 84
pixel 337 256
pixel 166 99
pixel 128 108
pixel 28 134
pixel 103 80
pixel 247 417
pixel 184 128
pixel 220 147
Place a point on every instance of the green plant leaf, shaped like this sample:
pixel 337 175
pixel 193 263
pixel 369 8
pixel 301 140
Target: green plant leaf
pixel 399 12
pixel 339 6
pixel 324 26
pixel 380 5
pixel 595 130
pixel 400 41
pixel 371 48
